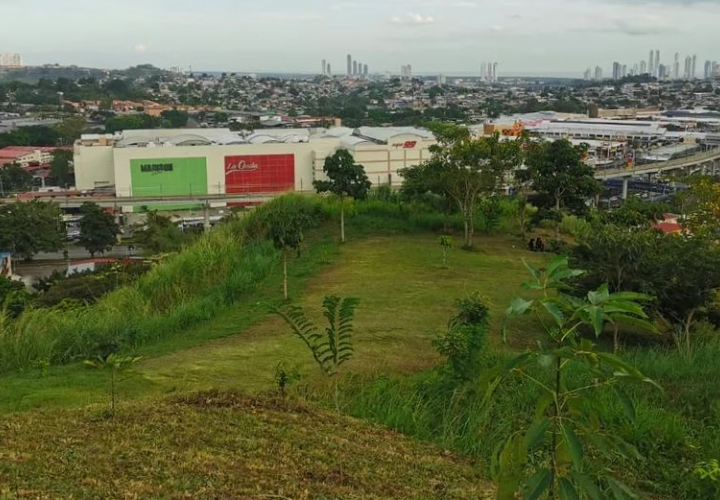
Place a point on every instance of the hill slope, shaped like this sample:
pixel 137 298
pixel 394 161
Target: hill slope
pixel 222 445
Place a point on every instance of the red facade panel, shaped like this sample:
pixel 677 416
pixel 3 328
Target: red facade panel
pixel 259 173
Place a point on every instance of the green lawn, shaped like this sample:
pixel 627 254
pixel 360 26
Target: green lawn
pixel 407 299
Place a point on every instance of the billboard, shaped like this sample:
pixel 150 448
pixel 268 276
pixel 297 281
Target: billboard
pixel 259 173
pixel 169 176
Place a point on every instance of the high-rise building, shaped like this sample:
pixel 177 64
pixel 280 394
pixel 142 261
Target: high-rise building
pixel 693 70
pixel 651 63
pixel 623 71
pixel 483 71
pixel 494 72
pixel 587 75
pixel 688 67
pixel 354 68
pixel 708 70
pixel 406 72
pixel 657 63
pixel 643 67
pixel 617 69
pixel 441 80
pixel 715 69
pixel 9 60
pixel 598 73
pixel 328 70
pixel 324 67
pixel 349 65
pixel 676 66
pixel 365 69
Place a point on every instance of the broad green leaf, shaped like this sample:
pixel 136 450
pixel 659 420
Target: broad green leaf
pixel 537 484
pixel 574 445
pixel 588 486
pixel 632 296
pixel 534 271
pixel 567 490
pixel 536 432
pixel 626 402
pixel 599 296
pixel 543 403
pixel 554 311
pixel 636 322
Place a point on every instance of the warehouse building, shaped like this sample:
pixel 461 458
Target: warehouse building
pixel 217 161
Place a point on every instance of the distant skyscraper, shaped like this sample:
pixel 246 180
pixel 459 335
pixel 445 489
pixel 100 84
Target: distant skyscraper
pixel 328 70
pixel 676 67
pixel 441 80
pixel 598 73
pixel 643 67
pixel 688 68
pixel 365 69
pixel 617 69
pixel 708 70
pixel 10 60
pixel 354 67
pixel 324 67
pixel 693 70
pixel 657 63
pixel 651 63
pixel 406 72
pixel 483 71
pixel 494 72
pixel 624 71
pixel 349 65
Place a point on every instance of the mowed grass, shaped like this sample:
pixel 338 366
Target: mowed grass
pixel 222 445
pixel 407 298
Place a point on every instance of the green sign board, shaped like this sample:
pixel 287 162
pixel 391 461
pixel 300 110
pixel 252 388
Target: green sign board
pixel 169 176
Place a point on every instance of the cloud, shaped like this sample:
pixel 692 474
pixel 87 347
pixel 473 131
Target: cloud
pixel 413 19
pixel 140 48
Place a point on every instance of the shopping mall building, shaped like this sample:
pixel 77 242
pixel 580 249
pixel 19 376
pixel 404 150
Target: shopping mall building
pixel 217 161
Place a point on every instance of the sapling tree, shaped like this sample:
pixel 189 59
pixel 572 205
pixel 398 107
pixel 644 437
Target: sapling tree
pixel 115 364
pixel 286 224
pixel 345 179
pixel 548 459
pixel 446 242
pixel 333 347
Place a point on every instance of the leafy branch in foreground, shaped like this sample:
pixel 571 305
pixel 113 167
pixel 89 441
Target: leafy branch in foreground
pixel 549 458
pixel 333 347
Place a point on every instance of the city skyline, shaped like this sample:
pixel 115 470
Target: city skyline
pixel 656 67
pixel 434 36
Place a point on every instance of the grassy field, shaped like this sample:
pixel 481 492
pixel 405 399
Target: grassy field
pixel 406 300
pixel 222 446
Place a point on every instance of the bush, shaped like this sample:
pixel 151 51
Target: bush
pixel 576 227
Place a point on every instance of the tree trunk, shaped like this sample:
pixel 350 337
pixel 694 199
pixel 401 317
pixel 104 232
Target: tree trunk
pixel 523 205
pixel 557 222
pixel 471 226
pixel 467 230
pixel 444 256
pixel 112 393
pixel 342 221
pixel 285 276
pixel 616 339
pixel 688 324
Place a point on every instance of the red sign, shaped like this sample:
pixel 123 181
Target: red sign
pixel 259 173
pixel 405 145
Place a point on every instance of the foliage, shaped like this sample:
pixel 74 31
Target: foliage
pixel 465 342
pixel 27 228
pixel 114 364
pixel 702 208
pixel 98 230
pixel 34 135
pixel 462 168
pixel 334 347
pixel 132 122
pixel 285 377
pixel 14 179
pixel 346 178
pixel 634 213
pixel 175 118
pixel 551 455
pixel 61 167
pixel 159 234
pixel 709 475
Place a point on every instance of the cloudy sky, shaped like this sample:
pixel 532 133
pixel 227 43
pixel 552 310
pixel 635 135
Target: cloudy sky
pixel 435 36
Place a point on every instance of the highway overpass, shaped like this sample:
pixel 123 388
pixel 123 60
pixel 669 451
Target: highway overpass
pixel 707 161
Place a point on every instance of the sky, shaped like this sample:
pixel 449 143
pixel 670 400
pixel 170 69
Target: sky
pixel 531 37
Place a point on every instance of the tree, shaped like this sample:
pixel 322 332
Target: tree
pixel 61 167
pixel 27 228
pixel 446 243
pixel 566 416
pixel 70 129
pixel 98 230
pixel 701 205
pixel 560 176
pixel 114 364
pixel 14 179
pixel 684 275
pixel 286 222
pixel 175 118
pixel 613 255
pixel 346 179
pixel 462 168
pixel 158 234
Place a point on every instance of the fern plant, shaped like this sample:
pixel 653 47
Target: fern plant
pixel 333 347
